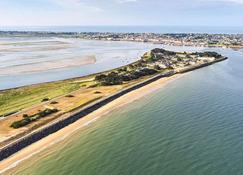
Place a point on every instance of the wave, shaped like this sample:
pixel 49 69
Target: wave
pixel 16 163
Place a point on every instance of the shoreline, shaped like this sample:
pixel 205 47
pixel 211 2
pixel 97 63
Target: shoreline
pixel 11 153
pixel 63 80
pixel 92 74
pixel 39 146
pixel 32 137
pixel 22 141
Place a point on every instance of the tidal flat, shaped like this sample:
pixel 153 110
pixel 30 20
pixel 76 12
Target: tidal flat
pixel 45 59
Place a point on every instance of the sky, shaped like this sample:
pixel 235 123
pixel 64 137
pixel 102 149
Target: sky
pixel 121 12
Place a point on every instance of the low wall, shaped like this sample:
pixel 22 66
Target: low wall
pixel 27 140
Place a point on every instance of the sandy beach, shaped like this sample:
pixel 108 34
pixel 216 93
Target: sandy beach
pixel 48 65
pixel 50 140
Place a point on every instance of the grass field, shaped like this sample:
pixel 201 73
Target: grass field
pixel 20 98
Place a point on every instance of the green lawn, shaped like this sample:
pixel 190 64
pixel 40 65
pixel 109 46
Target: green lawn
pixel 17 99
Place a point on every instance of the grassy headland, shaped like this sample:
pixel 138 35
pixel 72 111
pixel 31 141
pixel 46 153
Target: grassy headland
pixel 34 104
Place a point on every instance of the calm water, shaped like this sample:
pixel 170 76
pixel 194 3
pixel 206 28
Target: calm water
pixel 30 60
pixel 192 126
pixel 27 51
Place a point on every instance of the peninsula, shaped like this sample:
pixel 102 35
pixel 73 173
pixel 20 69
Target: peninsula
pixel 33 112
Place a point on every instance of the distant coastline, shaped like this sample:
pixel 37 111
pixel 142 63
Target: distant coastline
pixel 234 41
pixel 136 43
pixel 130 29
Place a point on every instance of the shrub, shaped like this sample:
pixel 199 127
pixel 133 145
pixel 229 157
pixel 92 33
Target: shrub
pixel 8 114
pixel 100 77
pixel 93 85
pixel 25 115
pixel 45 99
pixel 117 78
pixel 69 96
pixel 28 119
pixel 20 123
pixel 54 102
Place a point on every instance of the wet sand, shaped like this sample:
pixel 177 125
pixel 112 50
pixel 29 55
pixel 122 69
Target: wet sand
pixel 48 65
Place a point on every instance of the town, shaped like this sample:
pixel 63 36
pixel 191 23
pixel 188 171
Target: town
pixel 159 61
pixel 234 41
pixel 191 39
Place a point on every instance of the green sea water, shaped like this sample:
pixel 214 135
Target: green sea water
pixel 191 126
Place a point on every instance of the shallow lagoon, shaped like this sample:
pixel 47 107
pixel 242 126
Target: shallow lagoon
pixel 25 61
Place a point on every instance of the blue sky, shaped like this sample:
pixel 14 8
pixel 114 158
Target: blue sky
pixel 121 12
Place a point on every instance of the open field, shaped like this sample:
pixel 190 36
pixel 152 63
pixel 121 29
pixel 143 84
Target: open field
pixel 20 98
pixel 65 104
pixel 65 96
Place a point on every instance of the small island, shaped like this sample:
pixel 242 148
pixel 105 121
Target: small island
pixel 45 108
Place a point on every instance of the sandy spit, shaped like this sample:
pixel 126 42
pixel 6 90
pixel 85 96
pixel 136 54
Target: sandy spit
pixel 60 135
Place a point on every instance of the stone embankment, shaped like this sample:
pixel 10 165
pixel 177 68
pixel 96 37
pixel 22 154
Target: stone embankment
pixel 28 139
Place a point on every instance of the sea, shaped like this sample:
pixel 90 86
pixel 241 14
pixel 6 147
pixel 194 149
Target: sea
pixel 191 126
pixel 32 60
